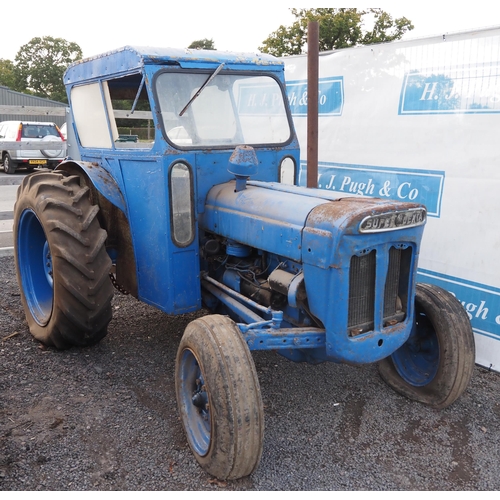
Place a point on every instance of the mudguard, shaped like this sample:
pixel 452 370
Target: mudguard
pixel 100 178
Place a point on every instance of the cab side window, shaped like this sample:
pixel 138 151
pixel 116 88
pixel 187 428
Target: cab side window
pixel 131 112
pixel 113 114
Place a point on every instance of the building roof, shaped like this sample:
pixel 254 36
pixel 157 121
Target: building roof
pixel 10 97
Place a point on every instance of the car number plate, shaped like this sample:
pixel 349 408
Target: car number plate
pixel 37 162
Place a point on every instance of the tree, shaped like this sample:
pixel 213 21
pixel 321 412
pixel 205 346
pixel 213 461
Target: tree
pixel 338 28
pixel 7 78
pixel 40 65
pixel 203 44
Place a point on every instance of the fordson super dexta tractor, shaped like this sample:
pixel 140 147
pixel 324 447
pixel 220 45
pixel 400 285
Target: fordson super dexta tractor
pixel 196 214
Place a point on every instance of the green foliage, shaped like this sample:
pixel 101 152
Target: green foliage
pixel 205 43
pixel 7 78
pixel 40 65
pixel 338 29
pixel 385 28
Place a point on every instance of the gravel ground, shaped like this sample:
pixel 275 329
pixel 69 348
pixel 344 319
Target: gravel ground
pixel 105 418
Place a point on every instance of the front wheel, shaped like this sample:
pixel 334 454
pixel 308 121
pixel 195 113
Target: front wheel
pixel 219 398
pixel 61 261
pixel 435 364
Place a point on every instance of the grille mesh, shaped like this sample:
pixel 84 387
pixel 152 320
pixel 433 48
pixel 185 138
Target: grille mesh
pixel 362 290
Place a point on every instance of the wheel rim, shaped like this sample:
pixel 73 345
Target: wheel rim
pixel 194 402
pixel 35 266
pixel 417 361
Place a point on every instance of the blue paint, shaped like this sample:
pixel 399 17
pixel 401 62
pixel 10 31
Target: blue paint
pixel 35 263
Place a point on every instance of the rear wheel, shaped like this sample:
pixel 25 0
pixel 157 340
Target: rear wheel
pixel 61 261
pixel 8 165
pixel 219 399
pixel 436 363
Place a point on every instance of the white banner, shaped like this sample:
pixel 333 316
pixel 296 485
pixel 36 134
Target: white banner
pixel 418 121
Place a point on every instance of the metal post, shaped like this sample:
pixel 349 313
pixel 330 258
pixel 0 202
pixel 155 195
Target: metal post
pixel 312 102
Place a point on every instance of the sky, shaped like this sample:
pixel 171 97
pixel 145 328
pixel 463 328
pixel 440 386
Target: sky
pixel 99 26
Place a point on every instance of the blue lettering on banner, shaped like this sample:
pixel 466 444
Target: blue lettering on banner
pixel 330 96
pixel 482 302
pixel 260 100
pixel 460 90
pixel 419 186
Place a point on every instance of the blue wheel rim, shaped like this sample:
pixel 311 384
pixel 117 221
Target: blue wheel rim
pixel 194 401
pixel 35 267
pixel 417 360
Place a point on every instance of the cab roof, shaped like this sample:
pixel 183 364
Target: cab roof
pixel 133 58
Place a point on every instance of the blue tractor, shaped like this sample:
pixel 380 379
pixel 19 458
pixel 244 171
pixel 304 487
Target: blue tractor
pixel 203 211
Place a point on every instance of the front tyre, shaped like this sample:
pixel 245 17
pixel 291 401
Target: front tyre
pixel 61 261
pixel 436 363
pixel 219 398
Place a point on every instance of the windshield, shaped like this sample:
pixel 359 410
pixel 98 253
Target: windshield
pixel 231 110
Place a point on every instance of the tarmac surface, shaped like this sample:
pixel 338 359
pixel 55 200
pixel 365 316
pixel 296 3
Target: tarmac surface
pixel 8 190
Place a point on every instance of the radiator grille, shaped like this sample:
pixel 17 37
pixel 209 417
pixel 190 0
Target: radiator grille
pixel 362 291
pixel 396 285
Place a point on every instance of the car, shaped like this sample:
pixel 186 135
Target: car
pixel 27 131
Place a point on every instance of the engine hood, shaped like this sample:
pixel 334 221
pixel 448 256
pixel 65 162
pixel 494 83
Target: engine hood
pixel 278 218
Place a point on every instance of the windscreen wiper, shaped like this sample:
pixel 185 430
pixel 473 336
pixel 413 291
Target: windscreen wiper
pixel 200 90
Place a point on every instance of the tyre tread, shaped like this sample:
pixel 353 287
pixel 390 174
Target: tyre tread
pixel 237 435
pixel 82 291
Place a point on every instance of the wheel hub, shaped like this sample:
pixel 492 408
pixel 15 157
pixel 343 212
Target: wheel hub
pixel 35 266
pixel 417 360
pixel 47 264
pixel 200 399
pixel 194 399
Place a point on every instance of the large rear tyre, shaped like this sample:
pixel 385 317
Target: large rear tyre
pixel 61 261
pixel 436 363
pixel 218 396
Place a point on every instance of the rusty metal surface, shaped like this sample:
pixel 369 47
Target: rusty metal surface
pixel 349 212
pixel 135 57
pixel 112 219
pixel 312 103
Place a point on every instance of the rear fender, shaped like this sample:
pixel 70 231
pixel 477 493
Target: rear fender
pixel 106 193
pixel 100 178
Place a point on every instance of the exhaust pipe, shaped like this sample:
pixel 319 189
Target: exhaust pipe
pixel 312 103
